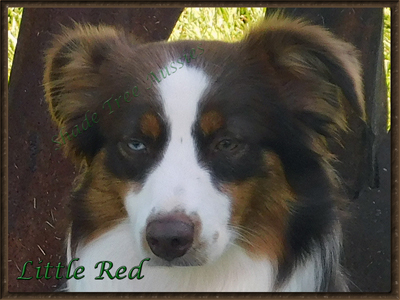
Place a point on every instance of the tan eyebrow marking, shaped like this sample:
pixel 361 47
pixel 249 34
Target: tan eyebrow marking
pixel 211 121
pixel 150 126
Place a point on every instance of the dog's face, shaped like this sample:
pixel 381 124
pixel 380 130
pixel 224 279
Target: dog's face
pixel 203 151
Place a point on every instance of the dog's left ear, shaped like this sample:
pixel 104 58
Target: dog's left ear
pixel 311 70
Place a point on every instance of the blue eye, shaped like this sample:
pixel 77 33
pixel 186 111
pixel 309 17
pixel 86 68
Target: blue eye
pixel 136 145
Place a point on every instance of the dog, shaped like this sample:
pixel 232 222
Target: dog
pixel 216 175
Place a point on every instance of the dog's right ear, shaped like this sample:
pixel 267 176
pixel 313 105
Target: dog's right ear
pixel 76 67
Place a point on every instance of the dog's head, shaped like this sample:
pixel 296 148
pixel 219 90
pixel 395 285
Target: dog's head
pixel 203 145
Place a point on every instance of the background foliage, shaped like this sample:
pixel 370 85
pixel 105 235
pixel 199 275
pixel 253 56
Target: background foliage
pixel 221 23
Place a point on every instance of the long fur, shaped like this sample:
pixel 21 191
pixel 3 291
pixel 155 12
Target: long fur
pixel 228 139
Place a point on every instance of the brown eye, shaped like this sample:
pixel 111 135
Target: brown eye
pixel 226 145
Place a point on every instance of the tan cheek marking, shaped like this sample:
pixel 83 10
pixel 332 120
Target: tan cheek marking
pixel 211 121
pixel 105 198
pixel 261 208
pixel 150 126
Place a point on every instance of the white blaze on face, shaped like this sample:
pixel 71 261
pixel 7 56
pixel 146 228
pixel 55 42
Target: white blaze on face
pixel 178 182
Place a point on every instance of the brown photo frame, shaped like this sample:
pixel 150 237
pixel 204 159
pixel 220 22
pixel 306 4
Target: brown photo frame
pixel 37 180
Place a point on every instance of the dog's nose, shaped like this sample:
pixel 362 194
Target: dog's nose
pixel 171 236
